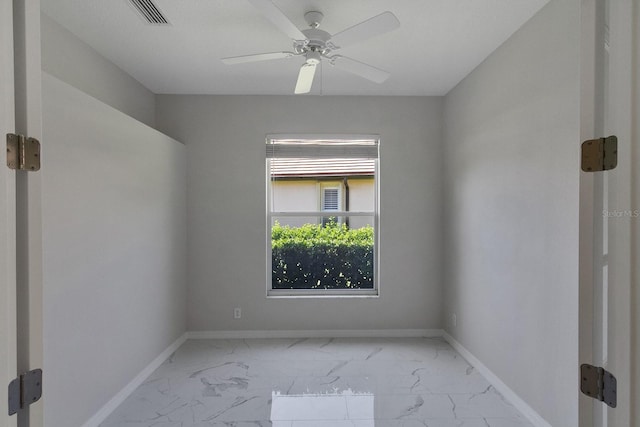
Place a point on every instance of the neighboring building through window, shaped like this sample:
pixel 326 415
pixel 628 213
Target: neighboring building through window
pixel 309 251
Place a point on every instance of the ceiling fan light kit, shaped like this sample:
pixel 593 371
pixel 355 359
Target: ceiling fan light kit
pixel 315 44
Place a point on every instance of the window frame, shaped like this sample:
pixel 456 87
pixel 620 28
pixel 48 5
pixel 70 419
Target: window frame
pixel 375 214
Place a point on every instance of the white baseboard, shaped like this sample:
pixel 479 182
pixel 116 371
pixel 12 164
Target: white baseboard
pixel 331 333
pixel 116 400
pixel 497 383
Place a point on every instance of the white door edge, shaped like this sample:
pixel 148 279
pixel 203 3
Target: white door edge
pixel 8 346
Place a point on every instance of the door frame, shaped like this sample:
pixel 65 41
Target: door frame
pixel 8 326
pixel 28 121
pixel 624 300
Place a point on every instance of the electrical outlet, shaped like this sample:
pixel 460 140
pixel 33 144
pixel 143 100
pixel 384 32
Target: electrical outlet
pixel 237 313
pixel 454 320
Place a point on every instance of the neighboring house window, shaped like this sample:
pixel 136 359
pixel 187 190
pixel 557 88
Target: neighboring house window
pixel 308 251
pixel 330 201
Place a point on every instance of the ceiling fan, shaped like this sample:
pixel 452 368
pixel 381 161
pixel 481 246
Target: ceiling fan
pixel 315 44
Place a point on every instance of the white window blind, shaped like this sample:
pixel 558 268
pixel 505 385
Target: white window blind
pixel 319 148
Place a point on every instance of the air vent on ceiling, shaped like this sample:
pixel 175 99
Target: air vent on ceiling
pixel 150 12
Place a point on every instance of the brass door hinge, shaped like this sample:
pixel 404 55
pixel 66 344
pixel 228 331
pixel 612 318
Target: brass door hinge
pixel 600 154
pixel 23 153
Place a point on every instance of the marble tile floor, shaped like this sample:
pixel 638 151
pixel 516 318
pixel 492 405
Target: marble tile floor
pixel 340 382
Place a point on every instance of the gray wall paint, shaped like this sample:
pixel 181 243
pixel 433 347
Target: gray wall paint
pixel 512 168
pixel 114 250
pixel 73 61
pixel 226 208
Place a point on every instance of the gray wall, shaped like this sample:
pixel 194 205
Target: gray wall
pixel 226 208
pixel 73 61
pixel 114 250
pixel 512 168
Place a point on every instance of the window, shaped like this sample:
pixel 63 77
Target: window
pixel 330 200
pixel 309 252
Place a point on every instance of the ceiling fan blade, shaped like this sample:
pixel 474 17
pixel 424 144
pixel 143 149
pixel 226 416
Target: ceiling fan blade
pixel 279 19
pixel 305 78
pixel 257 57
pixel 379 24
pixel 361 69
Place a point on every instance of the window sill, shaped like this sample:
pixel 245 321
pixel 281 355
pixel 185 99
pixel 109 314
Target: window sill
pixel 285 294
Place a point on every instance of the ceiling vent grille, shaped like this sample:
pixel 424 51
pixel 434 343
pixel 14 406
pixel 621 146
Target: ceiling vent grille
pixel 149 12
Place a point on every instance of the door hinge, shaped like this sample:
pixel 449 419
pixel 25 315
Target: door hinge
pixel 23 153
pixel 600 154
pixel 599 384
pixel 25 390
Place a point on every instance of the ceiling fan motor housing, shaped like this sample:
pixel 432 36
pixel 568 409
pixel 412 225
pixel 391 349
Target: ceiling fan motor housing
pixel 316 40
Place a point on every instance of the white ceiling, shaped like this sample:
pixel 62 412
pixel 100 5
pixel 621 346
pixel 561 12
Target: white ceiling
pixel 438 44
